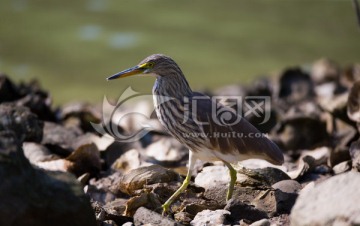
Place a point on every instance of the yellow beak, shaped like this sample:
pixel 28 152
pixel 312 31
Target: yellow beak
pixel 138 69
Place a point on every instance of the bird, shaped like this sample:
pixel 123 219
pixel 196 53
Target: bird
pixel 212 131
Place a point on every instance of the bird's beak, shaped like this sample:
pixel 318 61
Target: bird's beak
pixel 138 69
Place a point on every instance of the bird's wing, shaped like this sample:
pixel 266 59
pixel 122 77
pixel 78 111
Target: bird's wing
pixel 241 136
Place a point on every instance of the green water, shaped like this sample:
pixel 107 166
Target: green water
pixel 72 46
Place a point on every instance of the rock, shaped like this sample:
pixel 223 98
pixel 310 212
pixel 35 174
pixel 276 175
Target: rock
pixel 137 178
pixel 148 200
pixel 21 121
pixel 353 105
pixel 285 201
pixel 145 216
pixel 210 218
pixel 240 210
pixel 320 155
pixel 33 197
pixel 212 176
pixel 99 195
pixel 80 114
pixel 183 218
pixel 35 153
pixel 342 167
pixel 306 164
pixel 85 159
pixel 128 224
pixel 264 176
pixel 288 186
pixel 335 202
pixel 324 71
pixel 39 103
pixel 116 149
pixel 302 132
pixel 8 90
pixel 282 219
pixel 295 86
pixel 355 154
pixel 167 152
pixel 263 222
pixel 109 183
pixel 350 75
pixel 109 223
pixel 192 204
pixel 59 139
pixel 128 161
pixel 115 211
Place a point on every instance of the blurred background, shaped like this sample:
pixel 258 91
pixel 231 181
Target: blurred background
pixel 72 46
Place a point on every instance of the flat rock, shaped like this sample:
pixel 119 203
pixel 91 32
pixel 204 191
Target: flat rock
pixel 137 178
pixel 145 216
pixel 210 218
pixel 335 202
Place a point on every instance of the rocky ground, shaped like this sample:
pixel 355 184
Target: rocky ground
pixel 56 169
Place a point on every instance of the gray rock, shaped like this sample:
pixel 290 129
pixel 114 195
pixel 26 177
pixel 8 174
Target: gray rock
pixel 240 210
pixel 34 197
pixel 145 216
pixel 342 167
pixel 59 139
pixel 288 186
pixel 21 121
pixel 167 151
pixel 80 114
pixel 211 176
pixel 35 152
pixel 286 195
pixel 335 202
pixel 263 222
pixel 210 218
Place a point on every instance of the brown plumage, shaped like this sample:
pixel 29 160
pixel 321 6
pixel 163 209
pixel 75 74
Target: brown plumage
pixel 193 119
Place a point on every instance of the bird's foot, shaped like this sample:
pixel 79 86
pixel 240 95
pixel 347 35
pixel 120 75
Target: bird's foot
pixel 165 208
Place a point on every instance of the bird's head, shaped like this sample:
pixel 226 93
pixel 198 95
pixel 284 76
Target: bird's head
pixel 156 64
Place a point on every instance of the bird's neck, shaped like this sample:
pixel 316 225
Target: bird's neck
pixel 174 86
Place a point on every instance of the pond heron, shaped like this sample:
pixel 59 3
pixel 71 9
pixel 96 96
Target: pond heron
pixel 210 130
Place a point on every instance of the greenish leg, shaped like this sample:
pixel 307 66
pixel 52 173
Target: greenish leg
pixel 184 185
pixel 233 177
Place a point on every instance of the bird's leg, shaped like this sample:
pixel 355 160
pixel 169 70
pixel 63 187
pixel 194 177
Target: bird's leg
pixel 184 185
pixel 233 178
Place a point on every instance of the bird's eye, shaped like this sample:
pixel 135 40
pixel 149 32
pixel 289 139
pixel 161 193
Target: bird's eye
pixel 151 64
